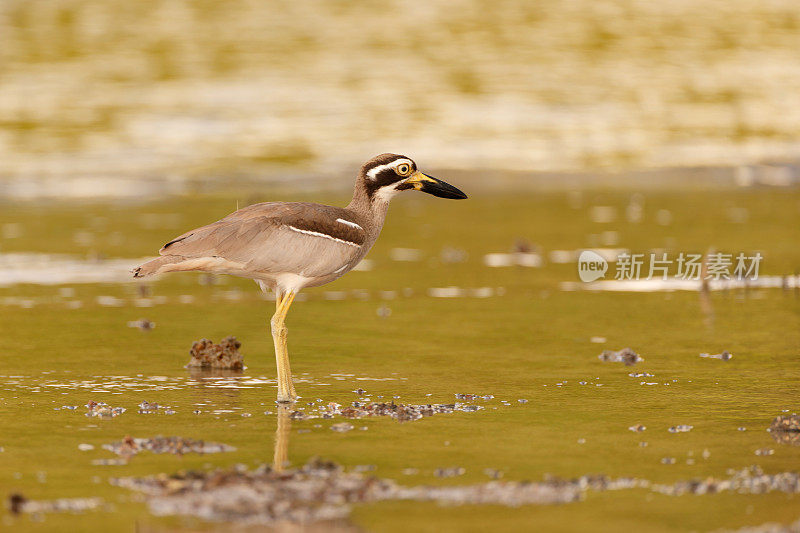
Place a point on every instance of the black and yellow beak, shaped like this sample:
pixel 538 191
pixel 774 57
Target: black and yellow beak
pixel 436 187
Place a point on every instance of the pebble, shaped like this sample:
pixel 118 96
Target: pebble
pixel 342 427
pixel 626 356
pixel 683 428
pixel 637 428
pixel 142 324
pixel 449 472
pixel 493 473
pixel 724 356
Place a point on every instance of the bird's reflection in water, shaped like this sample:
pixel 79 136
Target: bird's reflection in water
pixel 280 459
pixel 208 382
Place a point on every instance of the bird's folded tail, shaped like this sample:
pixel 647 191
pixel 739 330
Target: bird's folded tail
pixel 155 266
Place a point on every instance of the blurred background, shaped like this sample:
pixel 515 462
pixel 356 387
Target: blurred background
pixel 120 98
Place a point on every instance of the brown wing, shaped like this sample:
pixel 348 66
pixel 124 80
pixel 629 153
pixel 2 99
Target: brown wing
pixel 302 238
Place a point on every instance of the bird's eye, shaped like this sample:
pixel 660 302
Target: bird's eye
pixel 403 169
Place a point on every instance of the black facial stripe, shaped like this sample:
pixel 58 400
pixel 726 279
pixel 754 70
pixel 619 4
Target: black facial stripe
pixel 385 177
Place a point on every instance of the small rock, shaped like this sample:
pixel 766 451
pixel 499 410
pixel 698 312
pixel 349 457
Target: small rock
pixel 626 355
pixel 142 324
pixel 724 356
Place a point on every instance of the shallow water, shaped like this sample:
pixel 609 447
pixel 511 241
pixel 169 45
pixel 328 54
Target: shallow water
pixel 506 339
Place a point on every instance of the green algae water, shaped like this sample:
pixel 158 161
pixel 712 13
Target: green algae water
pixel 413 327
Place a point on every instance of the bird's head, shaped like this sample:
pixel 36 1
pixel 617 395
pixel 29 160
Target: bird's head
pixel 385 175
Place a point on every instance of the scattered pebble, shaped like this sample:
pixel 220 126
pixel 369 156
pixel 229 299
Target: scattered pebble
pixel 750 480
pixel 667 460
pixel 400 412
pixel 626 355
pixel 85 447
pixel 638 428
pixel 683 428
pixel 765 451
pixel 342 427
pixel 130 446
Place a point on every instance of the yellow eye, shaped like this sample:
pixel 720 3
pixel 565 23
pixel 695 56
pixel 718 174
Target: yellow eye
pixel 403 169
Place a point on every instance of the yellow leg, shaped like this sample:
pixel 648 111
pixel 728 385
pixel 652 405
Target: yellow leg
pixel 286 391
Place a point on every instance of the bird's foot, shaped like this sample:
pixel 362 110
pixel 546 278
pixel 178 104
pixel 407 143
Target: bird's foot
pixel 286 399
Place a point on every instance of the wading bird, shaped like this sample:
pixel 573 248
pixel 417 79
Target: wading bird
pixel 287 246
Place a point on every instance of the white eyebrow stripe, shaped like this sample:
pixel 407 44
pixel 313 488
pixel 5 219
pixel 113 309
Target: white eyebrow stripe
pixel 348 223
pixel 318 234
pixel 373 172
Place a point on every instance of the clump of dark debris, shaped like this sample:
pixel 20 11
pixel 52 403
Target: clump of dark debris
pixel 398 411
pixel 129 446
pixel 786 423
pixel 103 410
pixel 206 354
pixel 319 491
pixel 786 430
pixel 625 355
